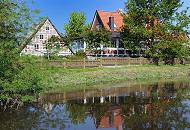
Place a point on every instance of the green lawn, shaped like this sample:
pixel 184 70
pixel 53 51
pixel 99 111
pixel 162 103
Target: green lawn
pixel 61 79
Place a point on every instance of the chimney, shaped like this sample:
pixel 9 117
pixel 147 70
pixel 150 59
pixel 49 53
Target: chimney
pixel 120 11
pixel 111 23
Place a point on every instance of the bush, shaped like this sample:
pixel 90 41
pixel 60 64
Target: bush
pixel 81 53
pixel 23 88
pixel 77 56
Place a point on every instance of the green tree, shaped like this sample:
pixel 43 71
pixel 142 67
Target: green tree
pixel 53 45
pixel 152 24
pixel 95 38
pixel 15 21
pixel 75 27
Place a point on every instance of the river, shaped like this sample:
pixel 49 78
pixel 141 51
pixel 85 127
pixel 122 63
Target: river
pixel 153 106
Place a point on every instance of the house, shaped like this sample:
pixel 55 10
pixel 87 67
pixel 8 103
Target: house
pixel 79 44
pixel 111 119
pixel 38 37
pixel 112 21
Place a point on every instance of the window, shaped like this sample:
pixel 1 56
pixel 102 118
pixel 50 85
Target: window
pixel 41 37
pixel 98 27
pixel 115 26
pixel 36 46
pixel 47 28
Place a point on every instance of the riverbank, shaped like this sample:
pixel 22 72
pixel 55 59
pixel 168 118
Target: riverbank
pixel 71 79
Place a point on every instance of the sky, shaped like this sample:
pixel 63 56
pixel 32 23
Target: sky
pixel 59 10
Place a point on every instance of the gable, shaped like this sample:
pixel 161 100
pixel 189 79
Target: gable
pixel 97 22
pixel 41 29
pixel 47 30
pixel 104 18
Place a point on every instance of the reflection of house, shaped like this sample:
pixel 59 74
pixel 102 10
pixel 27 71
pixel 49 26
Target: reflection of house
pixel 41 33
pixel 112 21
pixel 112 119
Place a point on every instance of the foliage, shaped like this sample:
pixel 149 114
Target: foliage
pixel 15 21
pixel 77 56
pixel 156 25
pixel 53 45
pixel 96 38
pixel 81 54
pixel 23 87
pixel 75 27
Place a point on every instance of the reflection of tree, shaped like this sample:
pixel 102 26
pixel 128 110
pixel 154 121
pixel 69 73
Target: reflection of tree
pixel 77 112
pixel 162 108
pixel 164 111
pixel 56 118
pixel 98 110
pixel 32 117
pixel 19 119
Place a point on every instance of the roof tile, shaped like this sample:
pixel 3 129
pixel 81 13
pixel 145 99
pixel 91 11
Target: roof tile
pixel 118 19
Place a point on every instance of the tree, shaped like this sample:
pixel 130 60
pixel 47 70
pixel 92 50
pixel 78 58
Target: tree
pixel 75 27
pixel 53 45
pixel 96 38
pixel 154 23
pixel 15 21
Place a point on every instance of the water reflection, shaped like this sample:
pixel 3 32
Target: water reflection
pixel 164 106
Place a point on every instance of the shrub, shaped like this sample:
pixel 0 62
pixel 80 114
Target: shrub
pixel 77 56
pixel 23 88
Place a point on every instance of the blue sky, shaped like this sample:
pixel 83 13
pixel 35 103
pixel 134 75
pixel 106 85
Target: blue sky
pixel 59 10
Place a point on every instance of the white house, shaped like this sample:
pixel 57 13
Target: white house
pixel 78 45
pixel 36 39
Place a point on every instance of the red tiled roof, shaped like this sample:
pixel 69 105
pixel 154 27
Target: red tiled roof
pixel 104 16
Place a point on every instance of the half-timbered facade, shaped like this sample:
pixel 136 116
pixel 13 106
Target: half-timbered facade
pixel 39 36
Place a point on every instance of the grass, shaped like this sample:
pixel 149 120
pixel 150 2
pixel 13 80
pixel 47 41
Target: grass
pixel 72 79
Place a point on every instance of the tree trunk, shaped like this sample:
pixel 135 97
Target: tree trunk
pixel 169 61
pixel 182 61
pixel 156 60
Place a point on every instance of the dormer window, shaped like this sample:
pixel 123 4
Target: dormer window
pixel 112 23
pixel 41 36
pixel 115 26
pixel 47 28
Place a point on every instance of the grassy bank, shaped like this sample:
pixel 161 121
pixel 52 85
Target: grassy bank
pixel 64 79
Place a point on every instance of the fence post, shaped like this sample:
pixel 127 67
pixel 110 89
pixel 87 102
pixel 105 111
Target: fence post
pixel 116 62
pixel 140 60
pixel 84 63
pixel 100 62
pixel 129 62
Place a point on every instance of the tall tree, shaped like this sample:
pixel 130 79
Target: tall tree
pixel 151 23
pixel 75 27
pixel 15 21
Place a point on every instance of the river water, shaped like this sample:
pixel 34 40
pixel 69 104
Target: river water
pixel 155 106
